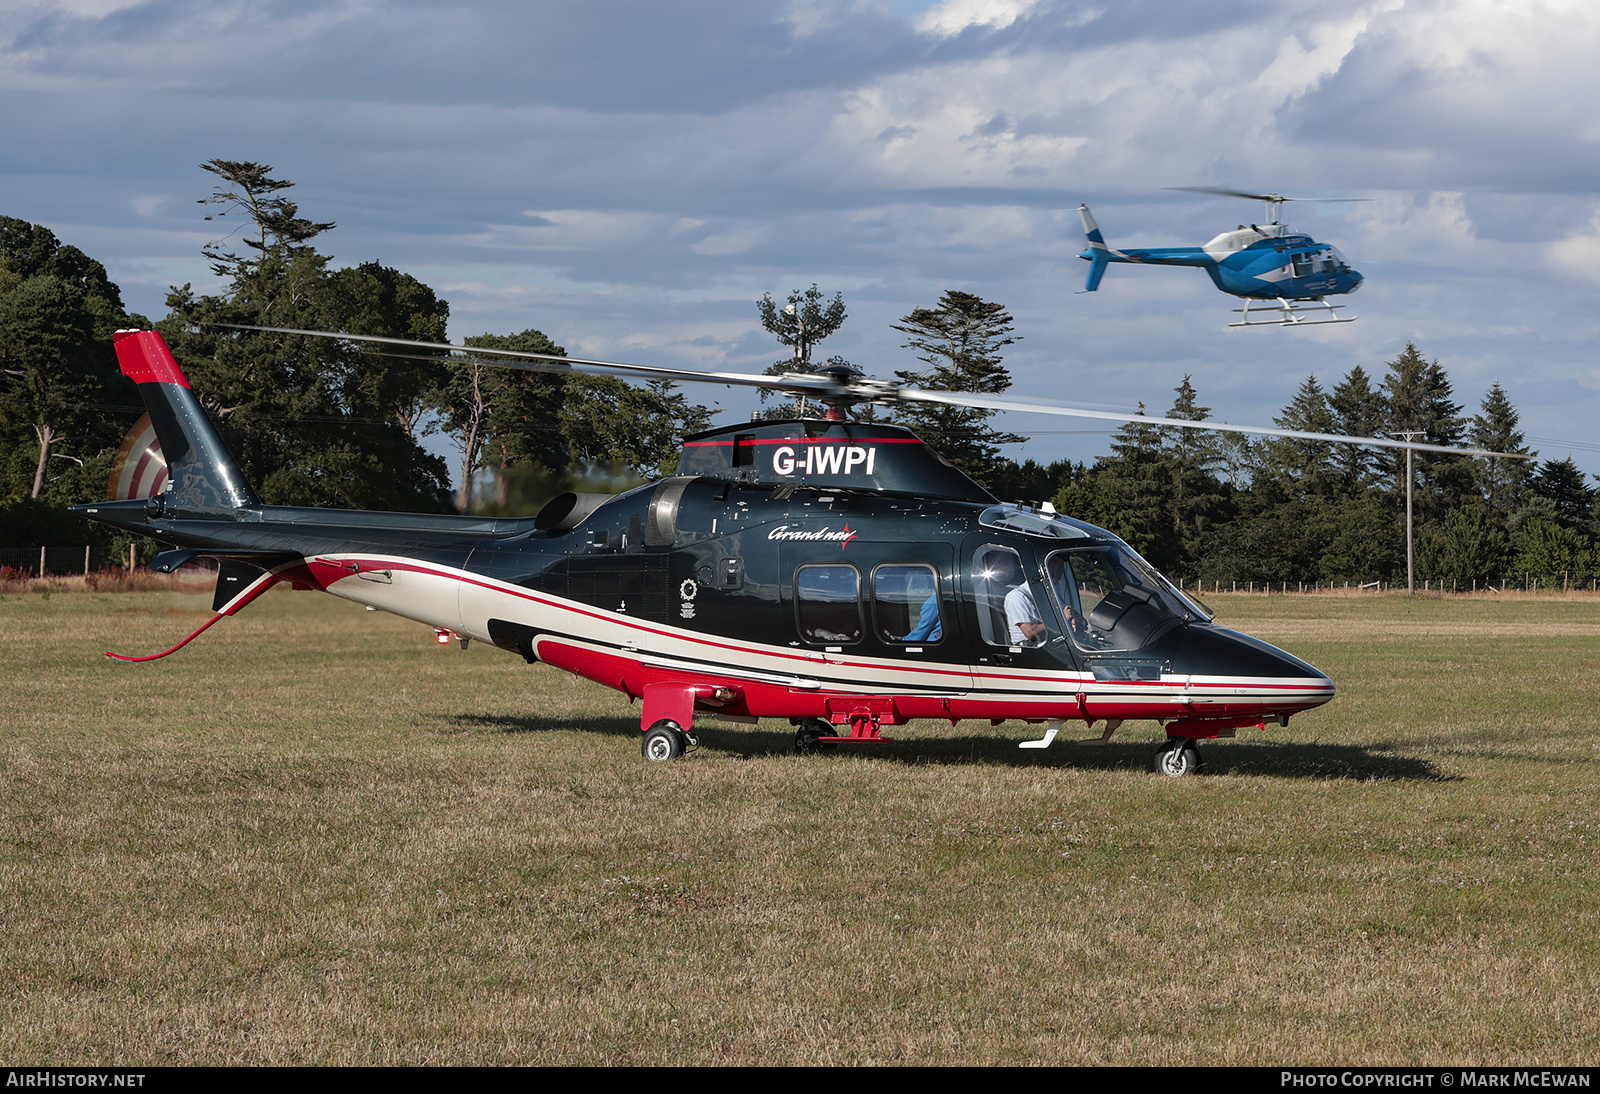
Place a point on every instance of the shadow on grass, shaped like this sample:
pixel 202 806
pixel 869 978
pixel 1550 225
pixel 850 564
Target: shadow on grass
pixel 1365 763
pixel 1307 761
pixel 527 723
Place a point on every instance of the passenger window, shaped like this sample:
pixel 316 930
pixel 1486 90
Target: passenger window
pixel 1007 613
pixel 905 603
pixel 828 603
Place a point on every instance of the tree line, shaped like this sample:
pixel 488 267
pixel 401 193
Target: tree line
pixel 312 421
pixel 1221 507
pixel 320 422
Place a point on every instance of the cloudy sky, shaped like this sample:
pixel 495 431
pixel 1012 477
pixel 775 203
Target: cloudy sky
pixel 630 176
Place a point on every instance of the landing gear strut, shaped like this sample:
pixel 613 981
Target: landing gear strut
pixel 666 740
pixel 1176 757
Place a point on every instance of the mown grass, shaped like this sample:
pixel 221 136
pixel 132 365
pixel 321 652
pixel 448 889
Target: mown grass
pixel 316 837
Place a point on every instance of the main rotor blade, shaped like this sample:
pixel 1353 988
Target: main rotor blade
pixel 1253 197
pixel 858 391
pixel 918 395
pixel 550 362
pixel 1225 192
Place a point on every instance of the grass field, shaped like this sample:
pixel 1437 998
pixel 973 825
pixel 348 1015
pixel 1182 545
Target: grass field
pixel 316 837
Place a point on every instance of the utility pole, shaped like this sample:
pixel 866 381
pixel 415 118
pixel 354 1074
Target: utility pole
pixel 1411 568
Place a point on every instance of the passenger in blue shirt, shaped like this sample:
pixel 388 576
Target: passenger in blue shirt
pixel 929 628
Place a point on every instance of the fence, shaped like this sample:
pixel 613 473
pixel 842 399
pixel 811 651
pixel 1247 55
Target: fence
pixel 59 561
pixel 1570 582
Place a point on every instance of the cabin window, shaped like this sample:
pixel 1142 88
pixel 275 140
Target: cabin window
pixel 828 603
pixel 905 603
pixel 1007 612
pixel 1109 601
pixel 1302 265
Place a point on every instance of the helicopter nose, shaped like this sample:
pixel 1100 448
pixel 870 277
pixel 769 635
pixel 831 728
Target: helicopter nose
pixel 1355 281
pixel 1237 660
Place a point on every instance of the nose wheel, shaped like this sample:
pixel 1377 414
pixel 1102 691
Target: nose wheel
pixel 1176 757
pixel 666 740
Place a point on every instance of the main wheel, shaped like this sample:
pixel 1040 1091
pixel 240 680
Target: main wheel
pixel 808 737
pixel 664 741
pixel 1177 757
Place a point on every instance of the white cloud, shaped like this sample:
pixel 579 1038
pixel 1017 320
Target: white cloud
pixel 865 145
pixel 954 16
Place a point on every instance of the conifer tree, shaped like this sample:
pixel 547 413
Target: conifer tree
pixel 1302 468
pixel 1418 400
pixel 1358 411
pixel 960 341
pixel 1501 483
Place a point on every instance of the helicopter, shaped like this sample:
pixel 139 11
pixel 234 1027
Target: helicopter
pixel 1267 261
pixel 834 573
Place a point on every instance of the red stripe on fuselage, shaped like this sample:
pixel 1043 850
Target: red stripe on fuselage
pixel 804 440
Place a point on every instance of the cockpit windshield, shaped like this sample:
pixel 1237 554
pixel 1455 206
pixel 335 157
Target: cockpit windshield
pixel 1111 599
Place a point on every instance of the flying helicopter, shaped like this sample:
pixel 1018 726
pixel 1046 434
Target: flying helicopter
pixel 1268 261
pixel 835 573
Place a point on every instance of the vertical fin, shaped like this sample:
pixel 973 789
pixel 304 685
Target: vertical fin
pixel 203 478
pixel 1096 252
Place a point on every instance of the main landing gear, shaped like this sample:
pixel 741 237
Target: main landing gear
pixel 666 740
pixel 1176 757
pixel 809 734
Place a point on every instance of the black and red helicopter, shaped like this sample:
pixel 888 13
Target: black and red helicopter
pixel 834 573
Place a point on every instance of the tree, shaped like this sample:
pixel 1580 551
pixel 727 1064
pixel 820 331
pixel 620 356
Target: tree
pixel 1302 468
pixel 1196 501
pixel 1419 401
pixel 960 341
pixel 525 410
pixel 375 299
pixel 1469 546
pixel 1131 490
pixel 1568 491
pixel 800 324
pixel 312 421
pixel 1358 411
pixel 32 250
pixel 607 421
pixel 1496 428
pixel 53 366
pixel 276 219
pixel 1550 552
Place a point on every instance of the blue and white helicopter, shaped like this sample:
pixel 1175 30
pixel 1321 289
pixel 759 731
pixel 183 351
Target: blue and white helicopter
pixel 1268 261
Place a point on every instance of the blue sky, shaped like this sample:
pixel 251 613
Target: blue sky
pixel 630 177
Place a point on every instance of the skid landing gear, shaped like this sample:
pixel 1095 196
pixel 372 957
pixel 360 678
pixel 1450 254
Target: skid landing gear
pixel 666 740
pixel 1176 757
